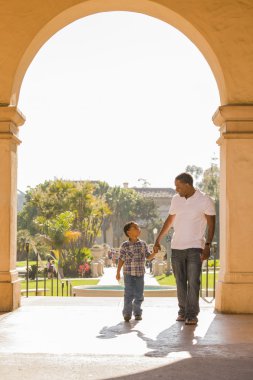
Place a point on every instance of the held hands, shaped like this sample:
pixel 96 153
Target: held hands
pixel 154 252
pixel 157 247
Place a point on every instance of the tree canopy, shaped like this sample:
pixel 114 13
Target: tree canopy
pixel 55 207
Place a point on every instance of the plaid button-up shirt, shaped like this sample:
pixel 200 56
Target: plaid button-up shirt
pixel 133 255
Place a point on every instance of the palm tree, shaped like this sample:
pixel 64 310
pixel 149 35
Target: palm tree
pixel 57 232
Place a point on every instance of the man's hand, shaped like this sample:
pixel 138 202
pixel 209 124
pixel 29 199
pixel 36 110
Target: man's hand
pixel 205 253
pixel 157 247
pixel 118 276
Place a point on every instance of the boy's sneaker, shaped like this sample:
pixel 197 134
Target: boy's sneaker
pixel 127 318
pixel 138 317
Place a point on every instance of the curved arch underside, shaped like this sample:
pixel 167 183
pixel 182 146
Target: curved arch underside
pixel 36 24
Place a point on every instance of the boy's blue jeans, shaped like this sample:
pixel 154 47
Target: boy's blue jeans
pixel 133 295
pixel 186 265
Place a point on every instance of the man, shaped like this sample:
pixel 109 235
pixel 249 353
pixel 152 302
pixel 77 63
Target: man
pixel 192 215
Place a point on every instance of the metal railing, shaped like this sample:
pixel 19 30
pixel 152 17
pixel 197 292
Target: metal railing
pixel 207 286
pixel 44 286
pixel 52 283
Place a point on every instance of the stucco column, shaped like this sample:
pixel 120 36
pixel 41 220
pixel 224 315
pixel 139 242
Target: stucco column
pixel 235 283
pixel 10 119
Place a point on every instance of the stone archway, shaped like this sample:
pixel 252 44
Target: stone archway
pixel 223 39
pixel 142 6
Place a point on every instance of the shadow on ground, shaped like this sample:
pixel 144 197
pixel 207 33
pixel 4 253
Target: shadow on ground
pixel 199 369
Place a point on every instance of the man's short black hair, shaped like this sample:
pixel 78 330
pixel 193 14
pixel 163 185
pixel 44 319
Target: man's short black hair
pixel 128 226
pixel 185 178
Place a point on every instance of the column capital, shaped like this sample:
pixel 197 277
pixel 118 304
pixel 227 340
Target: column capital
pixel 235 121
pixel 11 114
pixel 10 120
pixel 233 112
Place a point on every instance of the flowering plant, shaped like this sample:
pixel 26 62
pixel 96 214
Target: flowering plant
pixel 84 269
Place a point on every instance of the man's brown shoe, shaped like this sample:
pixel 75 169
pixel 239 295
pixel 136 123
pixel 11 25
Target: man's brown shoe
pixel 191 321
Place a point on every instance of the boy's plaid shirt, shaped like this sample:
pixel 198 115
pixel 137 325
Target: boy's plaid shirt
pixel 133 255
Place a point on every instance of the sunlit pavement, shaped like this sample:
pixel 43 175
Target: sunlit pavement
pixel 109 277
pixel 85 338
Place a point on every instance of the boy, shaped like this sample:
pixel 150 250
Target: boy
pixel 132 255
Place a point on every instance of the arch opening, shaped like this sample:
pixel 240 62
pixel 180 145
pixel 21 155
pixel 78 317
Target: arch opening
pixel 150 93
pixel 58 21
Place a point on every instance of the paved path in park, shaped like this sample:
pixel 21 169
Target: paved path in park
pixel 109 277
pixel 79 338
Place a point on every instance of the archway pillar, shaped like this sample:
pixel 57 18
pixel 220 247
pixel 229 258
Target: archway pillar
pixel 235 283
pixel 10 120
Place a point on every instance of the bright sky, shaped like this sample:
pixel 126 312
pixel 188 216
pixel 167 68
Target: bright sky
pixel 117 97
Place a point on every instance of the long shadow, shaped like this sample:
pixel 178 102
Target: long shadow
pixel 177 337
pixel 197 369
pixel 116 330
pixel 173 339
pixel 207 361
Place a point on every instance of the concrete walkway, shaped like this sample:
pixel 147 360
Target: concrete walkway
pixel 76 338
pixel 109 277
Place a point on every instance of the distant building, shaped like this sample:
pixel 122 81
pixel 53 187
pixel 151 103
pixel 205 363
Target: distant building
pixel 20 200
pixel 162 197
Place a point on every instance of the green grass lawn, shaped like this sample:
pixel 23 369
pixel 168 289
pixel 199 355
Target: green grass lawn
pixel 170 280
pixel 32 285
pixel 53 285
pixel 211 263
pixel 23 263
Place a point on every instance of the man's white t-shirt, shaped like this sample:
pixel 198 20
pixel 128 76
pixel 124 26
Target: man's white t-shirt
pixel 190 221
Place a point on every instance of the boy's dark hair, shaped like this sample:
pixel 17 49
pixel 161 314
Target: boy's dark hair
pixel 185 178
pixel 128 226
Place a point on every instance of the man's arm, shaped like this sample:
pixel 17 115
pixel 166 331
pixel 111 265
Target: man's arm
pixel 210 233
pixel 165 228
pixel 210 227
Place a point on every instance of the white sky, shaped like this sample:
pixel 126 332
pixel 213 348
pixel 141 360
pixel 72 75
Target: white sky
pixel 116 97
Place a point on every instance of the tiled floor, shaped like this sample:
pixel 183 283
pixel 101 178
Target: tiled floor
pixel 85 338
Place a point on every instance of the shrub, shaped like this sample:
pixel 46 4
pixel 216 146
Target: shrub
pixel 73 259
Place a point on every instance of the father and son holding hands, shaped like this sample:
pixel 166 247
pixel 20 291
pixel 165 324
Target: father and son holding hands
pixel 192 216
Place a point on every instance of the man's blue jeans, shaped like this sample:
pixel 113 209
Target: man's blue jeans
pixel 133 296
pixel 186 265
